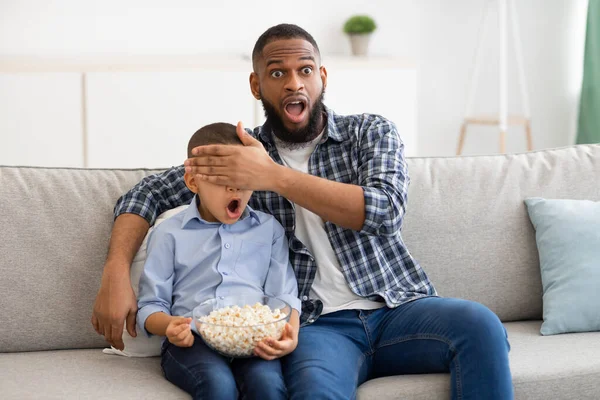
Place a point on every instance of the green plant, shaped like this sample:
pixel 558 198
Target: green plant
pixel 359 24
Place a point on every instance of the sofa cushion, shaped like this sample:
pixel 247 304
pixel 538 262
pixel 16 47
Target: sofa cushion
pixel 561 367
pixel 568 240
pixel 83 374
pixel 467 225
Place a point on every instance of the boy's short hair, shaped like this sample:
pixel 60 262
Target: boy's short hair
pixel 217 133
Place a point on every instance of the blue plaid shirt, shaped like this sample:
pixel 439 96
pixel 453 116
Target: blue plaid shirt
pixel 363 150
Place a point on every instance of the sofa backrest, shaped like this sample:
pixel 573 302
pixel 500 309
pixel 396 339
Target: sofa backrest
pixel 466 224
pixel 55 226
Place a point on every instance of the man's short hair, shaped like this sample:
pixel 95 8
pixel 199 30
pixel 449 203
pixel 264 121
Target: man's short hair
pixel 217 133
pixel 278 32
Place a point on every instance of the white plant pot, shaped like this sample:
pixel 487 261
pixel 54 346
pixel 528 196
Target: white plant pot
pixel 360 43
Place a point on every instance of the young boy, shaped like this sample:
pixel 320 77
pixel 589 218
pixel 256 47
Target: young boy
pixel 218 246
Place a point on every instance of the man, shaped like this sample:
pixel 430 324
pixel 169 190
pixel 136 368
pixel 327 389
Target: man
pixel 338 185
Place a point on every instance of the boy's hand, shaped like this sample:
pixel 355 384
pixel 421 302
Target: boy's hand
pixel 270 349
pixel 179 332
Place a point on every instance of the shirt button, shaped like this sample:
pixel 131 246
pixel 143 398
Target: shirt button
pixel 304 298
pixel 311 320
pixel 227 245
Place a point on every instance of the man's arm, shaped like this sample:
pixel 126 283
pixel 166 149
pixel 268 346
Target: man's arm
pixel 135 212
pixel 375 205
pixel 116 301
pixel 340 203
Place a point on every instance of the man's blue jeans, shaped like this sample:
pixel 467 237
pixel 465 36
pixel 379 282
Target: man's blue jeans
pixel 206 374
pixel 343 349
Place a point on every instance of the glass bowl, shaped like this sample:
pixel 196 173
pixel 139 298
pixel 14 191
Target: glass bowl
pixel 232 326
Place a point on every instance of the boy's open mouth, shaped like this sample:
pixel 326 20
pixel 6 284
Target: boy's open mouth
pixel 233 209
pixel 233 205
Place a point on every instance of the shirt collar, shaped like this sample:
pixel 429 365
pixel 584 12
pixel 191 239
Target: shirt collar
pixel 192 213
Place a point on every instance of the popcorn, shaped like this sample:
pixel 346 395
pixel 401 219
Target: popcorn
pixel 235 330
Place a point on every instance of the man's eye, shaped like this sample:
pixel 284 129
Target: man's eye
pixel 276 74
pixel 307 70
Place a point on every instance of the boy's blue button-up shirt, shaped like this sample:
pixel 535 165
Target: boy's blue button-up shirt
pixel 191 260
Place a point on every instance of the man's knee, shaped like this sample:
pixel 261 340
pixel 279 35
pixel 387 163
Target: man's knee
pixel 481 325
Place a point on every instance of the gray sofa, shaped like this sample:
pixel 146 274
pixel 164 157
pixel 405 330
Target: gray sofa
pixel 466 223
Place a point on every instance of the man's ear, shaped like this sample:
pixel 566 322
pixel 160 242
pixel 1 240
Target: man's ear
pixel 255 85
pixel 323 72
pixel 190 182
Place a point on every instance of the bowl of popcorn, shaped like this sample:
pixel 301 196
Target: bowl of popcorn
pixel 232 326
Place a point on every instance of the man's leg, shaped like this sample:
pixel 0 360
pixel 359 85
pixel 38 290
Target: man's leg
pixel 442 334
pixel 329 361
pixel 259 379
pixel 199 371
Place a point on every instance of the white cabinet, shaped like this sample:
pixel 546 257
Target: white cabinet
pixel 145 119
pixel 41 119
pixel 140 111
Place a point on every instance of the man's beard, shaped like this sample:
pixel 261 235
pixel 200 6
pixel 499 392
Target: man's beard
pixel 297 136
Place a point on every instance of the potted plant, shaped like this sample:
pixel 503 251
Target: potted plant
pixel 359 29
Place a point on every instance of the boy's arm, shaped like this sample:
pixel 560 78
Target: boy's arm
pixel 157 323
pixel 135 212
pixel 156 281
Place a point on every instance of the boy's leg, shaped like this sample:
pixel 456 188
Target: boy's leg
pixel 199 371
pixel 259 379
pixel 329 361
pixel 440 335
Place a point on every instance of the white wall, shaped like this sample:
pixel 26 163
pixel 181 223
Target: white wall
pixel 439 35
pixel 552 37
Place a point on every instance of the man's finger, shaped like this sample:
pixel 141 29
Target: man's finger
pixel 117 336
pixel 130 324
pixel 246 139
pixel 96 324
pixel 216 179
pixel 219 150
pixel 207 170
pixel 206 161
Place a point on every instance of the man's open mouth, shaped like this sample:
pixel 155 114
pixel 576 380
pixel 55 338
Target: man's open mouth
pixel 295 109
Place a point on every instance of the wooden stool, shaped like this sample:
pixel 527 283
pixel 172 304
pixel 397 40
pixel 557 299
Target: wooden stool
pixel 513 120
pixel 502 120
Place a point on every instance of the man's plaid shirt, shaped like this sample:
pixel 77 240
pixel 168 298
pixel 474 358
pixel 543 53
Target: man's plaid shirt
pixel 363 150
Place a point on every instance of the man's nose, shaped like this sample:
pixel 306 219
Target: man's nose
pixel 294 83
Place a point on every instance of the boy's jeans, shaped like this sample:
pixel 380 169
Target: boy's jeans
pixel 343 349
pixel 206 374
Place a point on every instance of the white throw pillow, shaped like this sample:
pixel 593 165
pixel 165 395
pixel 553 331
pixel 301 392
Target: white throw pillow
pixel 141 345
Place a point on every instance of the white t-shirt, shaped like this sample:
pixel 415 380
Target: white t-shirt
pixel 330 285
